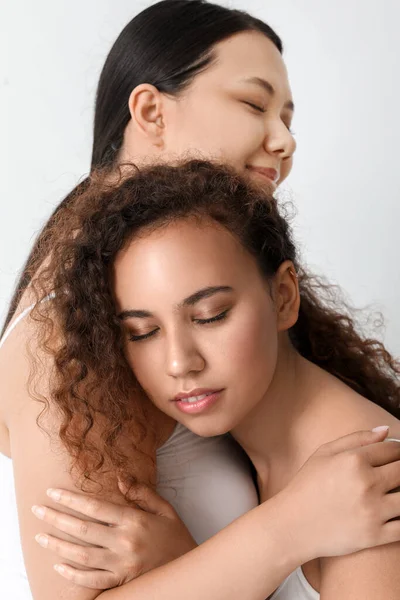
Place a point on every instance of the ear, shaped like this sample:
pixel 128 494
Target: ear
pixel 287 296
pixel 146 108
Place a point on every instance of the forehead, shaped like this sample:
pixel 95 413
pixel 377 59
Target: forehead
pixel 245 55
pixel 174 261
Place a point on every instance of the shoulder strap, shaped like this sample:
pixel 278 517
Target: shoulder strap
pixel 20 317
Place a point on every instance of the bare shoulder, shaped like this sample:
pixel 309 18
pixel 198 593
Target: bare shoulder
pixel 340 410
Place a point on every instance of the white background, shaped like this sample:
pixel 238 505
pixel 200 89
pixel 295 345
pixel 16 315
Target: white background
pixel 344 65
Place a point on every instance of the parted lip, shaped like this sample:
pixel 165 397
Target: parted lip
pixel 272 174
pixel 196 392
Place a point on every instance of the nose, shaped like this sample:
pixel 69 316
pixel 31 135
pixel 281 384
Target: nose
pixel 279 140
pixel 183 357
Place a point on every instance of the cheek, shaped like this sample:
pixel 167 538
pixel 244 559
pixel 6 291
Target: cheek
pixel 146 364
pixel 250 348
pixel 222 131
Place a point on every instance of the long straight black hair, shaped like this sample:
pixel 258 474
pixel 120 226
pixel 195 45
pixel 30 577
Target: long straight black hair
pixel 166 45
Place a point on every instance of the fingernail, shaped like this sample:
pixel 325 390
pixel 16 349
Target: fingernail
pixel 42 540
pixel 122 486
pixel 59 569
pixel 381 428
pixel 38 511
pixel 54 494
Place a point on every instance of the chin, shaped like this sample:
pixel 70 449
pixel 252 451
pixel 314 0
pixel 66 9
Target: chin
pixel 206 429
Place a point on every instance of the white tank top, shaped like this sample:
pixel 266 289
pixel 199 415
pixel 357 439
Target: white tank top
pixel 295 587
pixel 207 480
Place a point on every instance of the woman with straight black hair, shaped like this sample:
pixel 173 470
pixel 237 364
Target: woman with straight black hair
pixel 166 47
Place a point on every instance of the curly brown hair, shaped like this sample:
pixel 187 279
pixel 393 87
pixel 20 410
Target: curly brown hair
pixel 94 384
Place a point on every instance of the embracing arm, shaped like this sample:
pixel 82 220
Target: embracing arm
pixel 257 551
pixel 249 558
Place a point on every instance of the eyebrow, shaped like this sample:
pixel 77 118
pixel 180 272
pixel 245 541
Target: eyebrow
pixel 268 87
pixel 191 300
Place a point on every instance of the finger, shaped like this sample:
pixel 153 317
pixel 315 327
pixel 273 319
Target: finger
pixel 85 556
pixel 391 506
pixel 354 440
pixel 101 510
pixel 86 531
pixel 382 454
pixel 390 476
pixel 147 499
pixel 390 532
pixel 96 579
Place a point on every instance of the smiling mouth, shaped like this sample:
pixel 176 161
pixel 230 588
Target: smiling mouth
pixel 195 395
pixel 270 175
pixel 193 399
pixel 198 401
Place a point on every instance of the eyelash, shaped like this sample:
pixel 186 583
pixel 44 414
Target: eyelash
pixel 139 338
pixel 258 108
pixel 263 110
pixel 220 317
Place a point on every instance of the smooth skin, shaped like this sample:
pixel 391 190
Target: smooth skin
pixel 219 116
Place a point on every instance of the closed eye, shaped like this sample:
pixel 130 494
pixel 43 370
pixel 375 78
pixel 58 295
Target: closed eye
pixel 139 338
pixel 255 106
pixel 219 317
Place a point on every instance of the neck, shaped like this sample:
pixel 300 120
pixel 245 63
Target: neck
pixel 270 433
pixel 137 149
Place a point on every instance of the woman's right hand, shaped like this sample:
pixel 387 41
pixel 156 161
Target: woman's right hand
pixel 339 502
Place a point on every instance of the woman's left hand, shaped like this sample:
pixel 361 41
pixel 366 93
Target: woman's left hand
pixel 126 543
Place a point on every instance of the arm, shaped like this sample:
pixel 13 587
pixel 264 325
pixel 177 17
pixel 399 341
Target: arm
pixel 366 575
pixel 264 543
pixel 247 559
pixel 35 462
pixel 39 461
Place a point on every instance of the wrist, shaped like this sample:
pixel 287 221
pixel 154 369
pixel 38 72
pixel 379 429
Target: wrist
pixel 293 540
